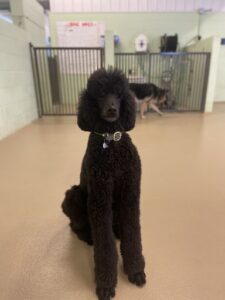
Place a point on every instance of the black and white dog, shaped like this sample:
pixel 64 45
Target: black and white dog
pixel 148 94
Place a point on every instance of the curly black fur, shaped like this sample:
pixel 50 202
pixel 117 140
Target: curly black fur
pixel 106 203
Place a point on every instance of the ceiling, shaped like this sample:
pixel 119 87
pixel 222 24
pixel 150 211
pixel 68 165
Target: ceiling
pixel 127 5
pixel 136 5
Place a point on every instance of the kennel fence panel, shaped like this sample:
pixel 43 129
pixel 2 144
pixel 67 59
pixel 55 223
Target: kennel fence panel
pixel 60 74
pixel 184 75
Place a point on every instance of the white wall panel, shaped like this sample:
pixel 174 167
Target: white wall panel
pixel 124 5
pixel 115 5
pixel 173 5
pixel 87 5
pixel 152 5
pixel 68 5
pixel 208 4
pixel 190 5
pixel 180 6
pixel 59 5
pixel 105 5
pixel 143 5
pixel 133 5
pixel 97 5
pixel 17 96
pixel 78 5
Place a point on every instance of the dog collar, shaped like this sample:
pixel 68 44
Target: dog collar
pixel 116 136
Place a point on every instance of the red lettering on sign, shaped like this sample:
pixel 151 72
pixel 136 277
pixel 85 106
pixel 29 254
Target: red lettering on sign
pixel 73 23
pixel 87 24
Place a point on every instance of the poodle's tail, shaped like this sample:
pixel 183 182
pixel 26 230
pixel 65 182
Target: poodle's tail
pixel 74 207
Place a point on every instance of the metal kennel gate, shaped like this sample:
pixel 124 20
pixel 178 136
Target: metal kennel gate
pixel 60 74
pixel 184 75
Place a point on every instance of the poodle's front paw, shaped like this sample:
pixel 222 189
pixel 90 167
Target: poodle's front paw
pixel 138 278
pixel 105 293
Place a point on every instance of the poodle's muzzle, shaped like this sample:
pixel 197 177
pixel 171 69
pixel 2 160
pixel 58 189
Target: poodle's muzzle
pixel 110 107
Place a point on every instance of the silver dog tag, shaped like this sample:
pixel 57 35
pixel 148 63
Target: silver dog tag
pixel 105 145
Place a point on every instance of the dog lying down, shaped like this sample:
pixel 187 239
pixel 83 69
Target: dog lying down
pixel 148 95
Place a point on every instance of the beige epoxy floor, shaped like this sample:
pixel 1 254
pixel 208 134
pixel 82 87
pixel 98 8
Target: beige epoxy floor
pixel 183 211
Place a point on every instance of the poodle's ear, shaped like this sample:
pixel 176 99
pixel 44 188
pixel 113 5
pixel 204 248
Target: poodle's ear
pixel 128 111
pixel 87 112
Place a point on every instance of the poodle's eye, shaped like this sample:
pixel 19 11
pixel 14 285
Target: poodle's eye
pixel 101 97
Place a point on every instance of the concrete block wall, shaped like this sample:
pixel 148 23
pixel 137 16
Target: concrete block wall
pixel 17 95
pixel 220 78
pixel 34 22
pixel 29 15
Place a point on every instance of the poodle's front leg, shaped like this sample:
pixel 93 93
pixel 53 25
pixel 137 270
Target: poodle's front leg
pixel 131 247
pixel 105 254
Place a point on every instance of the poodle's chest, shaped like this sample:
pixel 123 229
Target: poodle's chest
pixel 116 159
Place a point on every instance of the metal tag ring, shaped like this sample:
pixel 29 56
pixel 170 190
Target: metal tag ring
pixel 117 136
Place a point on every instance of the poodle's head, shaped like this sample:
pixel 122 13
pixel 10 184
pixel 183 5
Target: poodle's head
pixel 107 102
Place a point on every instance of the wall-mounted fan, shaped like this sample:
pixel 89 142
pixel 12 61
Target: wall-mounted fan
pixel 141 43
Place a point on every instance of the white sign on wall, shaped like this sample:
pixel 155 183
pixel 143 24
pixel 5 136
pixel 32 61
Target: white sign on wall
pixel 80 34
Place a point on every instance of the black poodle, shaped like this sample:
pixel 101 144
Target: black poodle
pixel 106 203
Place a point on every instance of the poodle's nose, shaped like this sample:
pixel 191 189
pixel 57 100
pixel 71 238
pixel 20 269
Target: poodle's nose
pixel 112 110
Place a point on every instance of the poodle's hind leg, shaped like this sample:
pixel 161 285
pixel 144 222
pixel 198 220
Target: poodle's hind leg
pixel 74 207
